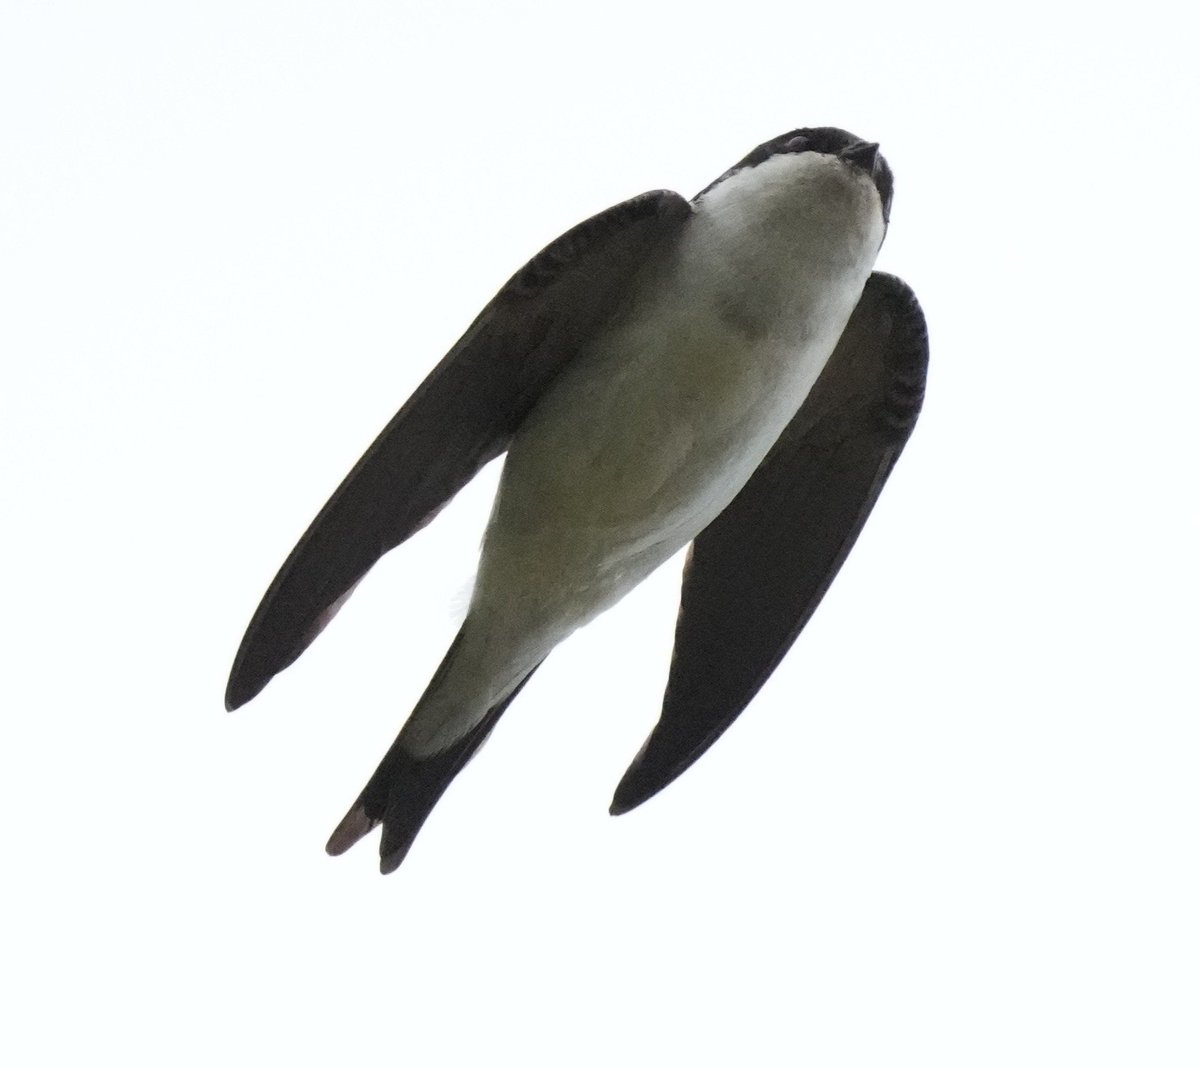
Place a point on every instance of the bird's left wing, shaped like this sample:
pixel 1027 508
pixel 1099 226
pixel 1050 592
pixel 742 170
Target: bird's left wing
pixel 463 415
pixel 756 574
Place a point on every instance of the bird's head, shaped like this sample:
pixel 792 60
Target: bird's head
pixel 829 141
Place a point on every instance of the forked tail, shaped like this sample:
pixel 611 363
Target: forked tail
pixel 404 789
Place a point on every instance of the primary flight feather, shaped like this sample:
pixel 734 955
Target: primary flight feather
pixel 725 371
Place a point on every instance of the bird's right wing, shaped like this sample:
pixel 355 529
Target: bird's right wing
pixel 758 571
pixel 462 416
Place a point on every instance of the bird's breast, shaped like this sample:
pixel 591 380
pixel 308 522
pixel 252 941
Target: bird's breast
pixel 659 422
pixel 665 414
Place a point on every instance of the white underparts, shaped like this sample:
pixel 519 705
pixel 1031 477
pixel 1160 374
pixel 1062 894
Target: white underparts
pixel 659 422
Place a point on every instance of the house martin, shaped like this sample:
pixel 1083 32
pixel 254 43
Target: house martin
pixel 727 371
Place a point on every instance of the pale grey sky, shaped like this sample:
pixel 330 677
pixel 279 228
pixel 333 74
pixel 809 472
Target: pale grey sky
pixel 959 826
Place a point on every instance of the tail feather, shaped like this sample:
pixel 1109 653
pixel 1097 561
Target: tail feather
pixel 404 789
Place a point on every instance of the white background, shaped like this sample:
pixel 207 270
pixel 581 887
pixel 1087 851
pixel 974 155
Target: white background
pixel 958 828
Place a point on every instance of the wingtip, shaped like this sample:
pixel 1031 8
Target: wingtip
pixel 240 690
pixel 663 758
pixel 620 806
pixel 636 786
pixel 632 791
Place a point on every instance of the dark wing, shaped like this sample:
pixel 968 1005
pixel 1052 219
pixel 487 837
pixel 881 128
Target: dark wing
pixel 462 416
pixel 756 574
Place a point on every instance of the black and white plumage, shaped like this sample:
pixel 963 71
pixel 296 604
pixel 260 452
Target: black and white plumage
pixel 725 371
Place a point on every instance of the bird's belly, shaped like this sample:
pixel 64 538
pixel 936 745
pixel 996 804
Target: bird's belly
pixel 644 440
pixel 659 420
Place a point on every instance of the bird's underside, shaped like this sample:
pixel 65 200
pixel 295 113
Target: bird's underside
pixel 765 549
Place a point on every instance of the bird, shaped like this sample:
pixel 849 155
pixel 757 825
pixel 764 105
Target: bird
pixel 728 372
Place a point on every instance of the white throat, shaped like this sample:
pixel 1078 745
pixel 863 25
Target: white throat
pixel 789 244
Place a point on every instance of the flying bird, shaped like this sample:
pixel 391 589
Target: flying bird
pixel 726 371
